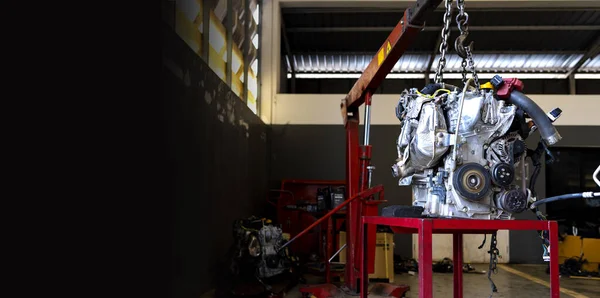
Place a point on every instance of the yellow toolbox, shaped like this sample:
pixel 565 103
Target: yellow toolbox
pixel 384 255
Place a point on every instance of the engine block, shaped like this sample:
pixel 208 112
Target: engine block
pixel 461 154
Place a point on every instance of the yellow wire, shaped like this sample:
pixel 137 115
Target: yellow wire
pixel 249 229
pixel 424 95
pixel 445 90
pixel 434 94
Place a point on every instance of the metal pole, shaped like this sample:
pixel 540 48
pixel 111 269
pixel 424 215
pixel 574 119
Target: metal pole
pixel 368 96
pixel 367 124
pixel 338 252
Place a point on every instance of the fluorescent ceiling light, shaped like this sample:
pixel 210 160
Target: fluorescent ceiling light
pixel 587 76
pixel 446 76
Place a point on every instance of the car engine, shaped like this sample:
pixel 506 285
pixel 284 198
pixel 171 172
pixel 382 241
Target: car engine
pixel 257 244
pixel 461 150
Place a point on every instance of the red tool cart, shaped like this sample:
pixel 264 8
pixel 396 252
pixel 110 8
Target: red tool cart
pixel 297 208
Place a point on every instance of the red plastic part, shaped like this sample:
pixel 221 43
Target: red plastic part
pixel 508 86
pixel 425 228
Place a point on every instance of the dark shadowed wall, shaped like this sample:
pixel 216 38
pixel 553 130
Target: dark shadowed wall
pixel 318 152
pixel 219 165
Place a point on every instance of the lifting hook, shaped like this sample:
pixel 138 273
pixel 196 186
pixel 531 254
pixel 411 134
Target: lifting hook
pixel 462 20
pixel 460 47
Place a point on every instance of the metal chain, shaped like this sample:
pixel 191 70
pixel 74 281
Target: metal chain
pixel 462 20
pixel 464 70
pixel 472 66
pixel 444 42
pixel 494 252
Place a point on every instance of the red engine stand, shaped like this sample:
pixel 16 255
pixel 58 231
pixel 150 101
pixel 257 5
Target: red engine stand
pixel 457 227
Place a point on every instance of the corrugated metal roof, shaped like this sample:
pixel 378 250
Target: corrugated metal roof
pixel 592 65
pixel 417 63
pixel 311 17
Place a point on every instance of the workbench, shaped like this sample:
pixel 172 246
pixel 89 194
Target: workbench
pixel 426 227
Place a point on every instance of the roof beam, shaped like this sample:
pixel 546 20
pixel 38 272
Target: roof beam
pixel 593 50
pixel 289 54
pixel 439 28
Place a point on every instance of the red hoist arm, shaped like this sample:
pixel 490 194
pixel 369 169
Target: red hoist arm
pixel 358 157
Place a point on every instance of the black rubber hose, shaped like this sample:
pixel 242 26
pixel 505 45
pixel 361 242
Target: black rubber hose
pixel 549 133
pixel 566 197
pixel 431 88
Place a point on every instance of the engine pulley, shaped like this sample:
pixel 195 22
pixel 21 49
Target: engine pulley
pixel 472 181
pixel 514 201
pixel 503 174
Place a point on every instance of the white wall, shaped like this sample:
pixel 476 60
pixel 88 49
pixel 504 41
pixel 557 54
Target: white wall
pixel 442 247
pixel 325 109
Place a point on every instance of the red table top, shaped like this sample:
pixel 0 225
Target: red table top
pixel 464 226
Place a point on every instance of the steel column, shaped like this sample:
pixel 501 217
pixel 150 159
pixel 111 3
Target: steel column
pixel 352 188
pixel 395 45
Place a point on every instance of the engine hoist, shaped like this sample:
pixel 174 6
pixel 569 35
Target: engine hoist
pixel 460 148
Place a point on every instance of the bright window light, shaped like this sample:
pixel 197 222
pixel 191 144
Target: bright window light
pixel 255 14
pixel 252 85
pixel 587 76
pixel 255 41
pixel 254 66
pixel 215 37
pixel 236 62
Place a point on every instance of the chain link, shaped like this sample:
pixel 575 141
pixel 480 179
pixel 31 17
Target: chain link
pixel 472 66
pixel 462 20
pixel 444 42
pixel 494 252
pixel 464 70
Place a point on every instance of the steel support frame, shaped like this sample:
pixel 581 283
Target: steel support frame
pixel 358 157
pixel 401 37
pixel 425 228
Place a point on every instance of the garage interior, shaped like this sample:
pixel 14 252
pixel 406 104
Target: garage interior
pixel 261 151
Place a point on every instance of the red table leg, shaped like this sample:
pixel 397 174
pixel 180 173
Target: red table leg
pixel 364 275
pixel 425 255
pixel 458 263
pixel 554 281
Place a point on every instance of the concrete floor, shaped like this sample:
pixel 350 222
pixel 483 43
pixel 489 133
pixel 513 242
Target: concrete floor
pixel 508 284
